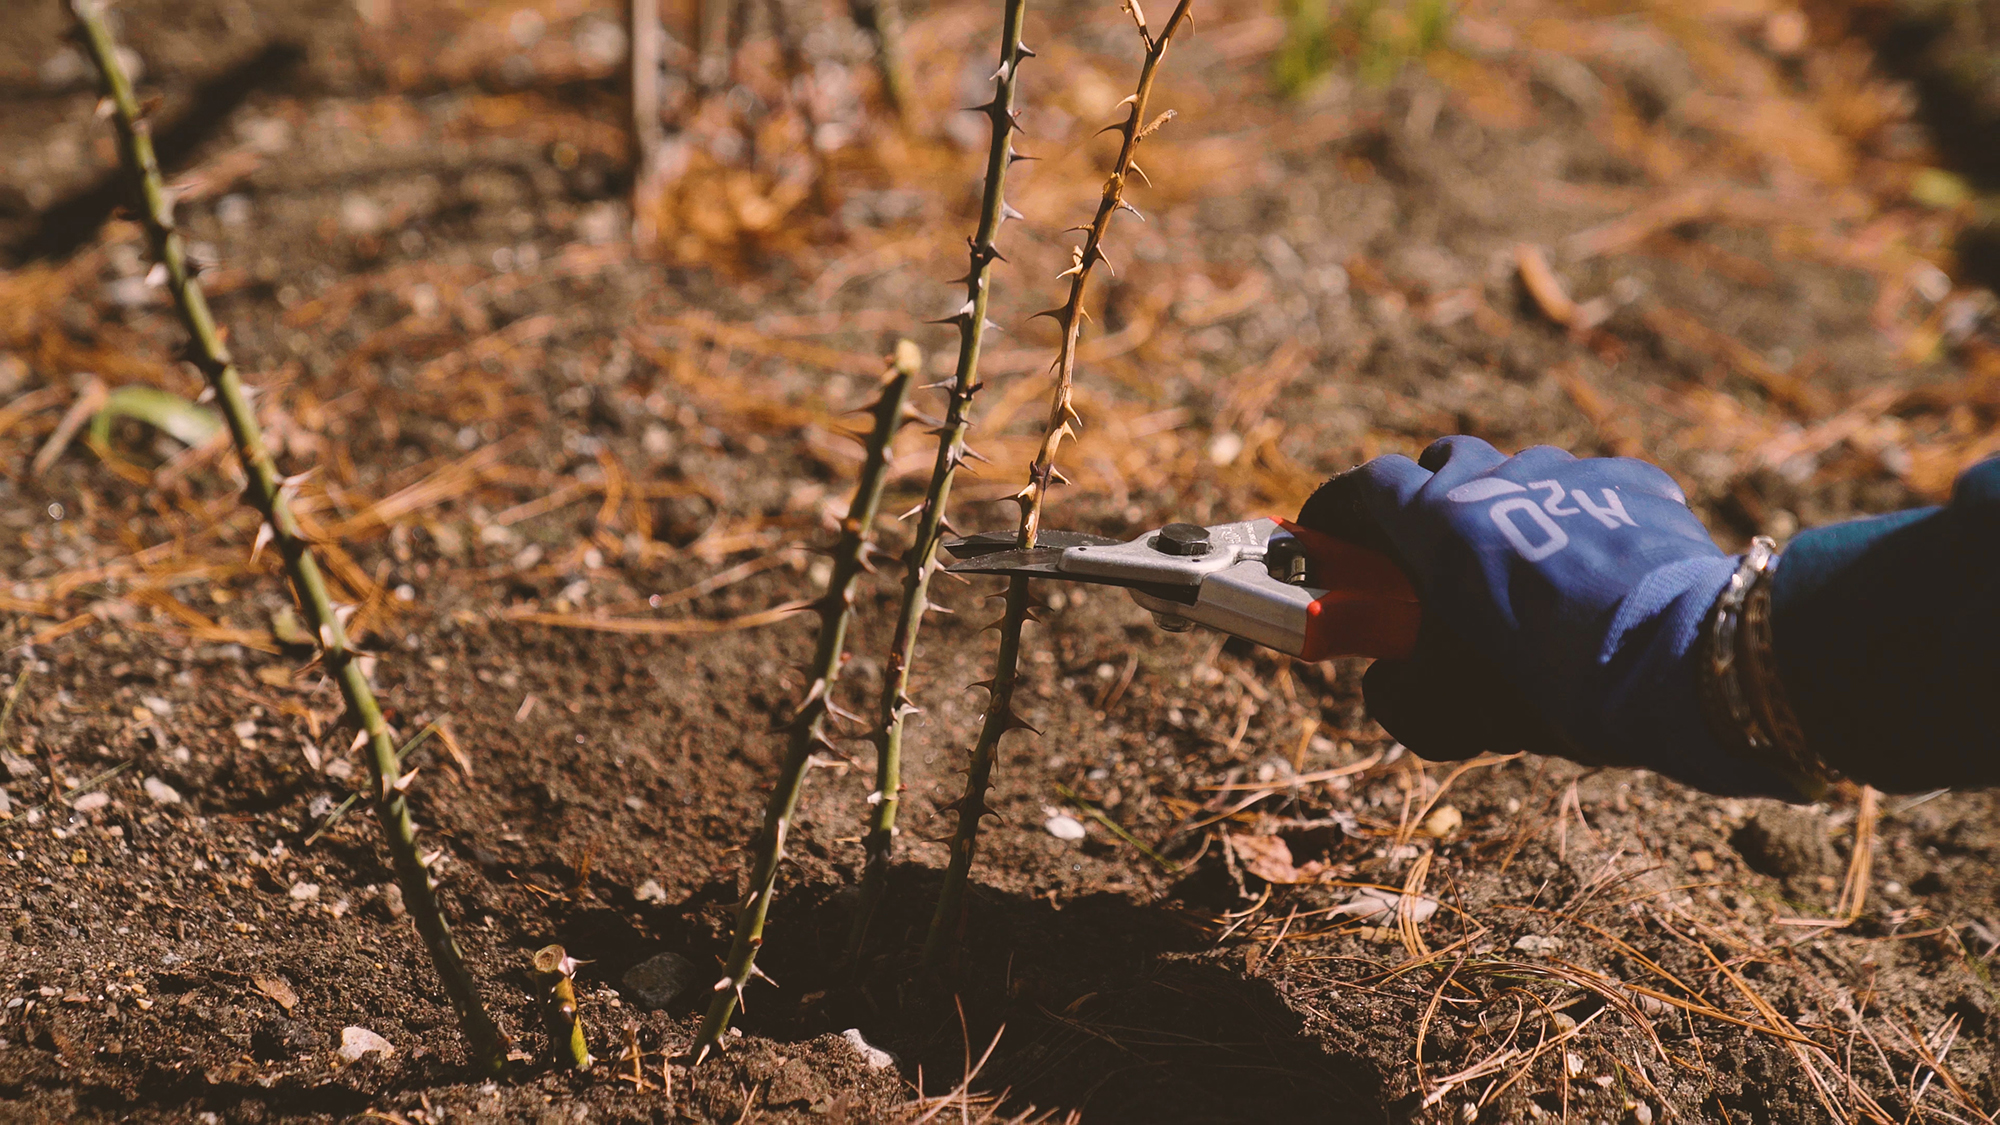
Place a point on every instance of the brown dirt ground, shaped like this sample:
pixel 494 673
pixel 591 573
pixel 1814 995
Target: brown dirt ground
pixel 416 216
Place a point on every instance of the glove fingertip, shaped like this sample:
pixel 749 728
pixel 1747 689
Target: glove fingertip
pixel 1441 452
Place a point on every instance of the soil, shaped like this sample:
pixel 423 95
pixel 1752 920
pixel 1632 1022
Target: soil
pixel 417 224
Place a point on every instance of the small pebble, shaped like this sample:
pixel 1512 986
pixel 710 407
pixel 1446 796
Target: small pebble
pixel 1065 827
pixel 655 982
pixel 1704 860
pixel 1443 822
pixel 650 891
pixel 161 792
pixel 91 802
pixel 358 1041
pixel 875 1057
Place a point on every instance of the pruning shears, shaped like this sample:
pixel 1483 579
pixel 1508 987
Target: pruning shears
pixel 1271 581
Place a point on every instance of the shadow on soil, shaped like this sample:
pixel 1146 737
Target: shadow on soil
pixel 1119 1010
pixel 66 226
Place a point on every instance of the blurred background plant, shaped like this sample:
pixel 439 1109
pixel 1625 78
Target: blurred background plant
pixel 1377 38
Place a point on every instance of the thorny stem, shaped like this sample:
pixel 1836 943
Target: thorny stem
pixel 921 561
pixel 557 971
pixel 266 492
pixel 1063 423
pixel 807 727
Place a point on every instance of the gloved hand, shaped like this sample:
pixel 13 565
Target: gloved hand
pixel 1563 601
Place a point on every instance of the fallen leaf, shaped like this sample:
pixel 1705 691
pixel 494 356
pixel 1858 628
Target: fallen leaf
pixel 1267 857
pixel 1369 902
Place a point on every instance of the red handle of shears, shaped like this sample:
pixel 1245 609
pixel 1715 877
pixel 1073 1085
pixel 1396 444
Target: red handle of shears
pixel 1369 609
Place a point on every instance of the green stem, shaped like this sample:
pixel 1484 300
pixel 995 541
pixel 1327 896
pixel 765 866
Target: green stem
pixel 947 921
pixel 921 561
pixel 557 971
pixel 1062 424
pixel 266 492
pixel 808 727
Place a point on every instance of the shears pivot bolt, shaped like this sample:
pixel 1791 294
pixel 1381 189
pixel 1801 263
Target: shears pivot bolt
pixel 1183 539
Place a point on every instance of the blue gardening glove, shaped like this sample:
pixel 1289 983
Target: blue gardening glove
pixel 1563 600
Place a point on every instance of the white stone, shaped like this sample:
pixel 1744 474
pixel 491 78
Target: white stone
pixel 1065 827
pixel 161 792
pixel 875 1057
pixel 91 802
pixel 358 1041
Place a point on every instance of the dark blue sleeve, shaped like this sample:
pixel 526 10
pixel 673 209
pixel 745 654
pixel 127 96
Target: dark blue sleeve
pixel 1888 640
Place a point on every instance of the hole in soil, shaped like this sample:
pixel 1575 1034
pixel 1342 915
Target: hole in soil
pixel 1115 1009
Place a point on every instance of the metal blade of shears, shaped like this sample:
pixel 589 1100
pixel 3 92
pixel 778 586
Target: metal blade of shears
pixel 994 553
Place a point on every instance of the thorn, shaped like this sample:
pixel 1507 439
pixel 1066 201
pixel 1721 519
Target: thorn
pixel 1134 166
pixel 968 451
pixel 992 327
pixel 1053 314
pixel 987 684
pixel 1007 212
pixel 1022 50
pixel 1016 157
pixel 1129 207
pixel 817 690
pixel 265 533
pixel 1013 721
